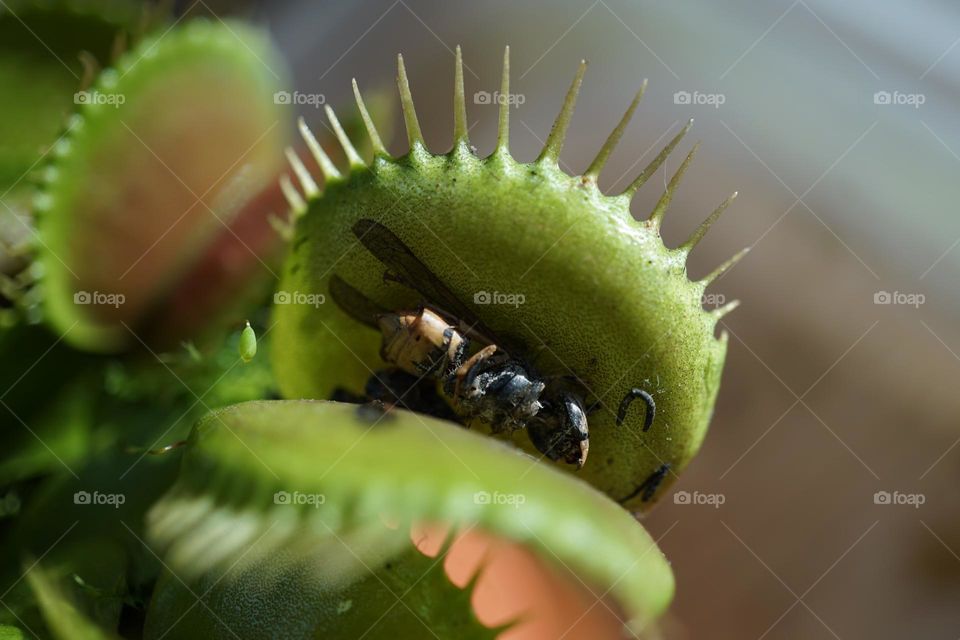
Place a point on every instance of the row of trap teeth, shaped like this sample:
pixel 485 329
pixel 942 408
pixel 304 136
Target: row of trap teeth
pixel 549 154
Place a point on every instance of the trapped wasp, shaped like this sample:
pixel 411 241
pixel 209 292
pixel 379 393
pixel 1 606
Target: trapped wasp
pixel 443 359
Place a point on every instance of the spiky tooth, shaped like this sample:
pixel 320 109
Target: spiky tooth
pixel 656 162
pixel 459 104
pixel 558 133
pixel 701 231
pixel 297 204
pixel 414 135
pixel 611 143
pixel 720 312
pixel 719 271
pixel 329 170
pixel 656 217
pixel 503 122
pixel 310 187
pixel 282 227
pixel 375 142
pixel 356 162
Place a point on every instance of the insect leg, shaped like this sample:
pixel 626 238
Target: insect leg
pixel 632 395
pixel 649 487
pixel 468 371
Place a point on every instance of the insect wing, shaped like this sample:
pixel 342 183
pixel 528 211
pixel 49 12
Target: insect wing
pixel 411 272
pixel 355 304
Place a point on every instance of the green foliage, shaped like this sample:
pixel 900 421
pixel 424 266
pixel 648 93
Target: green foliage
pixel 127 411
pixel 296 492
pixel 65 620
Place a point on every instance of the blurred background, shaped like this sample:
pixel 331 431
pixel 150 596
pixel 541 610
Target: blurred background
pixel 837 123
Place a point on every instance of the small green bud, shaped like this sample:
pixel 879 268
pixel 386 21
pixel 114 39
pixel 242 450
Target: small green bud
pixel 248 343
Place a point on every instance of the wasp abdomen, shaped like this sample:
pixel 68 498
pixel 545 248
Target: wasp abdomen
pixel 421 342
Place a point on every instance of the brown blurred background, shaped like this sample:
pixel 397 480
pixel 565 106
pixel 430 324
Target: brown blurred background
pixel 828 397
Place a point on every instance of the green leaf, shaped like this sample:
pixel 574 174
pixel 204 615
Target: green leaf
pixel 8 632
pixel 276 490
pixel 398 598
pixel 66 622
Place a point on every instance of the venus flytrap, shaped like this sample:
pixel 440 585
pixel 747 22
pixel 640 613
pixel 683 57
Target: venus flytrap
pixel 608 308
pixel 587 298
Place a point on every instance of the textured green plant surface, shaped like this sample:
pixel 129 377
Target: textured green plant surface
pixel 40 69
pixel 124 409
pixel 606 302
pixel 158 160
pixel 65 619
pixel 48 50
pixel 272 566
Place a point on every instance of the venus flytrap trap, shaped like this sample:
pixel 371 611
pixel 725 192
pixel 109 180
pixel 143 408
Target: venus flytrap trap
pixel 398 250
pixel 221 526
pixel 609 315
pixel 126 169
pixel 39 89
